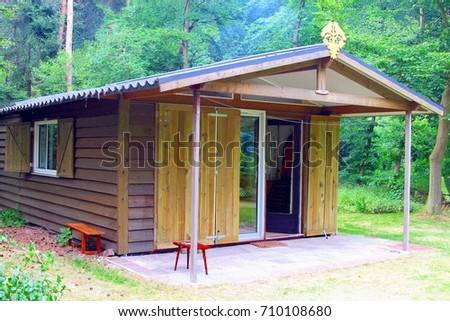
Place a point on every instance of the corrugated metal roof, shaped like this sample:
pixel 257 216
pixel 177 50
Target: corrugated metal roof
pixel 116 88
pixel 151 81
pixel 156 80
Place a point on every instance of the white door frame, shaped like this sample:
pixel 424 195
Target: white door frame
pixel 261 188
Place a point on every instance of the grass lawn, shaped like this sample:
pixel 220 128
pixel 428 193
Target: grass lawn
pixel 433 231
pixel 419 276
pixel 247 214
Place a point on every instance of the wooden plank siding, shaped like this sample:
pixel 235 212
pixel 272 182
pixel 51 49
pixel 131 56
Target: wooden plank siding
pixel 321 208
pixel 91 195
pixel 123 176
pixel 141 184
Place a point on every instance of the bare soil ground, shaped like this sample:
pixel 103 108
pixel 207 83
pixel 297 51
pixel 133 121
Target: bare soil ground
pixel 43 239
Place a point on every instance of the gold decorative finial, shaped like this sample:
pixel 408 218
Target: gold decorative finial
pixel 334 37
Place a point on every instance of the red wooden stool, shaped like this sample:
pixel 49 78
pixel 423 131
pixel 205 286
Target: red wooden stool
pixel 187 245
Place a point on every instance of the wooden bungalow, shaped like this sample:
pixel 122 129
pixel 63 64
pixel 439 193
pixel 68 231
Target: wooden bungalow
pixel 266 136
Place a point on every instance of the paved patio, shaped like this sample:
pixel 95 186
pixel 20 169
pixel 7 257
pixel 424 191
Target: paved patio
pixel 246 263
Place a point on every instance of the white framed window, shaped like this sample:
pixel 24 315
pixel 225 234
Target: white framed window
pixel 45 147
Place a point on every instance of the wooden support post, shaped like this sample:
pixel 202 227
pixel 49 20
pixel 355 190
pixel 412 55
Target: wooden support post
pixel 195 190
pixel 122 177
pixel 321 79
pixel 407 195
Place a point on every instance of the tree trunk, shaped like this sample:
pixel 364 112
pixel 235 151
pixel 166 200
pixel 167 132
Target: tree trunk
pixel 297 26
pixel 127 3
pixel 62 23
pixel 69 36
pixel 295 36
pixel 434 203
pixel 397 165
pixel 421 19
pixel 28 74
pixel 187 26
pixel 443 12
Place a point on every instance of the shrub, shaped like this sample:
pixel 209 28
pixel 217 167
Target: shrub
pixel 21 285
pixel 368 200
pixel 64 236
pixel 10 217
pixel 28 280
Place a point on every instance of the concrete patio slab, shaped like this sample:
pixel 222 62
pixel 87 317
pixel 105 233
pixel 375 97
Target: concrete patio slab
pixel 247 263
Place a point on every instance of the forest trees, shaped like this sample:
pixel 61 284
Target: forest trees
pixel 117 40
pixel 28 37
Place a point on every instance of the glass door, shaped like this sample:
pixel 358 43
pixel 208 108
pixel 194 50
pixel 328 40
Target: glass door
pixel 251 183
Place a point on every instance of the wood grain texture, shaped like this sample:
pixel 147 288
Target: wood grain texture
pixel 65 149
pixel 323 145
pixel 123 177
pixel 18 147
pixel 219 210
pixel 141 180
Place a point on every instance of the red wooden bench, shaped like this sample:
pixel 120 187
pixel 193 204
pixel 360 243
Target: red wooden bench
pixel 86 231
pixel 187 245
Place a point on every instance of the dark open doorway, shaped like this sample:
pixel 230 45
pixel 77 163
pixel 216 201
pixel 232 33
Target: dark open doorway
pixel 283 177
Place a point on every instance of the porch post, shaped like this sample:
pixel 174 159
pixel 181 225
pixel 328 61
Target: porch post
pixel 407 195
pixel 195 191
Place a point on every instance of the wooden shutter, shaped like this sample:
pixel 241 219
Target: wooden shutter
pixel 17 153
pixel 65 154
pixel 323 176
pixel 174 179
pixel 219 212
pixel 174 175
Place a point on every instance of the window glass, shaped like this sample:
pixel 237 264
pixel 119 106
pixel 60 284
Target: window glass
pixel 46 139
pixel 42 132
pixel 52 137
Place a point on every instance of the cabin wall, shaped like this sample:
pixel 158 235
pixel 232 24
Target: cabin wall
pixel 91 196
pixel 141 184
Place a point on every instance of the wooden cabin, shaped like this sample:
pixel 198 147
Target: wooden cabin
pixel 119 157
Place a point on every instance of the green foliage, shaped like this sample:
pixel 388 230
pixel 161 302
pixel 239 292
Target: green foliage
pixel 371 201
pixel 270 33
pixel 10 217
pixel 113 42
pixel 27 280
pixel 33 256
pixel 380 163
pixel 64 236
pixel 21 285
pixel 30 29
